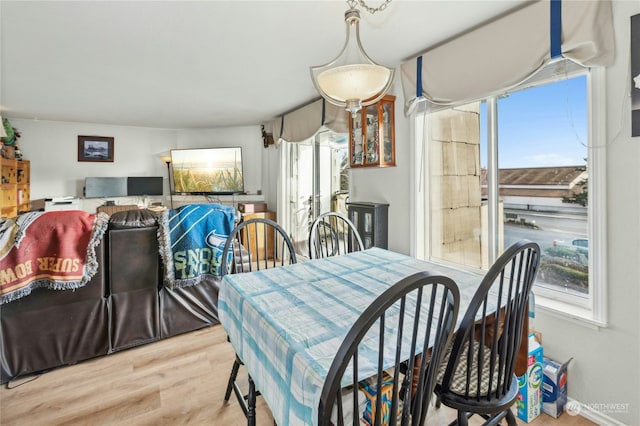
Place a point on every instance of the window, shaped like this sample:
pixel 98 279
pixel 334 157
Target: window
pixel 525 164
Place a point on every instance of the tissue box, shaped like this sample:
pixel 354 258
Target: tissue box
pixel 554 387
pixel 529 402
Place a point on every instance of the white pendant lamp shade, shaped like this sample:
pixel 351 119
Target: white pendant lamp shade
pixel 352 80
pixel 362 81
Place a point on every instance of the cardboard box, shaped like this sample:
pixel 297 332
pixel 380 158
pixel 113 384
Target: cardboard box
pixel 368 387
pixel 554 387
pixel 252 207
pixel 529 402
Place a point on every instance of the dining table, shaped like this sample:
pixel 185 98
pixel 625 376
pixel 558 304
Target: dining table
pixel 287 323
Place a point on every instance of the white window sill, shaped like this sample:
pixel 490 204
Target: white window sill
pixel 572 313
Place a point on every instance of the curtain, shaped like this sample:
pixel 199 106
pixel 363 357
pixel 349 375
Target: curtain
pixel 508 51
pixel 304 122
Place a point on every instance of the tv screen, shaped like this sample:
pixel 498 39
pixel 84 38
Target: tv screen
pixel 207 171
pixel 144 185
pixel 99 187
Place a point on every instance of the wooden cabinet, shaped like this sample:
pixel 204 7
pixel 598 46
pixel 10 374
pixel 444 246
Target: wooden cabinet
pixel 256 235
pixel 372 135
pixel 8 187
pixel 23 180
pixel 15 187
pixel 371 220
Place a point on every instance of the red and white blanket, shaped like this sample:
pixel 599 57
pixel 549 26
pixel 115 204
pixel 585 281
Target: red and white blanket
pixel 55 250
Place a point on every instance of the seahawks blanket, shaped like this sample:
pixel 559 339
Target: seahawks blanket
pixel 54 250
pixel 192 238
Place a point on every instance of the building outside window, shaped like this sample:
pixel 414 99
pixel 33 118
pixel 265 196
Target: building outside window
pixel 519 166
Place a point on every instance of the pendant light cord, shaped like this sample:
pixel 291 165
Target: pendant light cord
pixel 372 10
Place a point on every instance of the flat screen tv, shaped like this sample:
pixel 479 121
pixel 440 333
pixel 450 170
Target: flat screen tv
pixel 99 187
pixel 207 171
pixel 144 185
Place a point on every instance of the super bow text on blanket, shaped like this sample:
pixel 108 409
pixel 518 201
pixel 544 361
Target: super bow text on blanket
pixel 55 250
pixel 191 241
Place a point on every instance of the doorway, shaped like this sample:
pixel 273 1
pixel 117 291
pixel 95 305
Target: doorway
pixel 318 182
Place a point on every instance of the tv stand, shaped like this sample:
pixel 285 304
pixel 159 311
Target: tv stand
pixel 90 205
pixel 227 200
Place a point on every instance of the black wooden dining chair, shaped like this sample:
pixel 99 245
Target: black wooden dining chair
pixel 415 316
pixel 253 245
pixel 257 244
pixel 331 234
pixel 478 375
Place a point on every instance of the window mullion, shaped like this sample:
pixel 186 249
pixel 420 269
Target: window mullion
pixel 597 207
pixel 493 197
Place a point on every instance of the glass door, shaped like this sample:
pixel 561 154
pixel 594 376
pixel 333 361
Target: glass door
pixel 318 182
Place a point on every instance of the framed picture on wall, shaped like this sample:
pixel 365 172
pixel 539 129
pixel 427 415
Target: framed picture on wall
pixel 95 148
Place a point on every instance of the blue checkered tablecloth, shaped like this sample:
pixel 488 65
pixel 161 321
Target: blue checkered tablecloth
pixel 287 323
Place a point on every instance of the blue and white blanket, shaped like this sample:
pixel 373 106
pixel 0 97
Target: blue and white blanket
pixel 192 238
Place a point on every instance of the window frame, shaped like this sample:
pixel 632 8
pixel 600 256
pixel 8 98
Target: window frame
pixel 591 311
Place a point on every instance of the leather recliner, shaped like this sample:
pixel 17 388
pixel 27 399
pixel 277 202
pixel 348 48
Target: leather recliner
pixel 134 278
pixel 143 308
pixel 50 328
pixel 125 304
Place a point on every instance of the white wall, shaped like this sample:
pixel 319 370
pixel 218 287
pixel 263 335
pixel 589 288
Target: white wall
pixel 390 184
pixel 52 149
pixel 270 172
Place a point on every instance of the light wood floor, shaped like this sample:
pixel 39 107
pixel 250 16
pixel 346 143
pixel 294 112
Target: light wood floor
pixel 176 381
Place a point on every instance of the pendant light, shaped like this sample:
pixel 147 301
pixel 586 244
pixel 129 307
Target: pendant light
pixel 353 80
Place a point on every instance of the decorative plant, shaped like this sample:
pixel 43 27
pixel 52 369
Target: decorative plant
pixel 12 133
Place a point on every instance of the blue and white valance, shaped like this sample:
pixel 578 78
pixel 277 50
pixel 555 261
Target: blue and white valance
pixel 506 52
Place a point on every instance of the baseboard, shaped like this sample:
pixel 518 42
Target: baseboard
pixel 590 413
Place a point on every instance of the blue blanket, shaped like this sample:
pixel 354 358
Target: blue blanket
pixel 191 241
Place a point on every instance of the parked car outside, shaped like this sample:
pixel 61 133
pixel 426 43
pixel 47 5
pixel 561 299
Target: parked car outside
pixel 581 242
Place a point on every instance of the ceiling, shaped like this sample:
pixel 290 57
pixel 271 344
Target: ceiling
pixel 198 64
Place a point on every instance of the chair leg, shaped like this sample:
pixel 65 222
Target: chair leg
pixel 232 378
pixel 462 418
pixel 251 402
pixel 496 419
pixel 511 419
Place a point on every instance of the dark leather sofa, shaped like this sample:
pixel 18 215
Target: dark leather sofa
pixel 124 305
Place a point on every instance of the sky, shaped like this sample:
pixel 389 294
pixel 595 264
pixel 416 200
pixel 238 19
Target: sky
pixel 542 126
